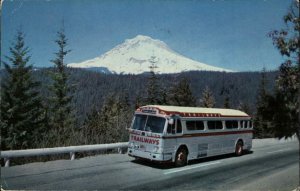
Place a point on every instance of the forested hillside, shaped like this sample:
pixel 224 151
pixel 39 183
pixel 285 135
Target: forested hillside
pixel 93 88
pixel 103 104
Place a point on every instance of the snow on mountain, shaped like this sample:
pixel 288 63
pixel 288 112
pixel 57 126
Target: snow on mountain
pixel 136 55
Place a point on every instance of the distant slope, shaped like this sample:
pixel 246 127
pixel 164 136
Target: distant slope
pixel 92 88
pixel 136 55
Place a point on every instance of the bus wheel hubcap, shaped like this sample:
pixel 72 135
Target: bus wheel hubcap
pixel 239 149
pixel 180 157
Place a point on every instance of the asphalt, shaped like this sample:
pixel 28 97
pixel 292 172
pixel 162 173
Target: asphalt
pixel 270 166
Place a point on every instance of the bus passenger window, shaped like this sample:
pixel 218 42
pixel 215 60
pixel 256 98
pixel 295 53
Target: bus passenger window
pixel 194 125
pixel 231 124
pixel 242 124
pixel 199 125
pixel 190 125
pixel 250 124
pixel 213 125
pixel 179 127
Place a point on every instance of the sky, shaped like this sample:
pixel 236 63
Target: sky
pixel 231 34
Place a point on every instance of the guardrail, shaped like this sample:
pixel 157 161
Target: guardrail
pixel 7 155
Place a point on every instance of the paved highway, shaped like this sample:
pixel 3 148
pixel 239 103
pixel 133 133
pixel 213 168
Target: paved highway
pixel 273 165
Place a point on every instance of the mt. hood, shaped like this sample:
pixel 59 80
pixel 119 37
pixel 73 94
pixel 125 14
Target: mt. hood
pixel 135 56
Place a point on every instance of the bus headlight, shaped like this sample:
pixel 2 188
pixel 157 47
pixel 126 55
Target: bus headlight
pixel 131 145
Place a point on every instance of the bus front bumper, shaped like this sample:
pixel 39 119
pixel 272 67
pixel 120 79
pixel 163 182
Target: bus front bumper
pixel 149 155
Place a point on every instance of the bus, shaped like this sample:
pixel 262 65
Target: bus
pixel 179 134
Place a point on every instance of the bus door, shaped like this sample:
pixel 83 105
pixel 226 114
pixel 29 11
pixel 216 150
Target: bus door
pixel 174 130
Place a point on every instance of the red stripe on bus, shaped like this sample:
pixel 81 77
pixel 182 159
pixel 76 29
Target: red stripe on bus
pixel 203 115
pixel 209 134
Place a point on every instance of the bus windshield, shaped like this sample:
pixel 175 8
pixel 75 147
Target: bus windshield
pixel 149 123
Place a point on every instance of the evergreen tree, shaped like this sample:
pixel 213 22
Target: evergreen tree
pixel 207 99
pixel 262 129
pixel 124 114
pixel 153 89
pixel 225 93
pixel 92 134
pixel 284 107
pixel 22 114
pixel 164 97
pixel 244 107
pixel 62 118
pixel 181 95
pixel 107 117
pixel 226 102
pixel 138 101
pixel 109 125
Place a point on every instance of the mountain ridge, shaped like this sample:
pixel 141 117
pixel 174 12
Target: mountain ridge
pixel 136 55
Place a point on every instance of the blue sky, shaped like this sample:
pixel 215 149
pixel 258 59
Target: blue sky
pixel 231 34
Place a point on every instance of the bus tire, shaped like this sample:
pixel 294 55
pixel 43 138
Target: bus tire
pixel 239 148
pixel 181 157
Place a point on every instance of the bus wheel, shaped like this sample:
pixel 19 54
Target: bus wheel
pixel 239 148
pixel 181 157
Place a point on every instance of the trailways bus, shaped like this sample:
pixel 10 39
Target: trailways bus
pixel 179 134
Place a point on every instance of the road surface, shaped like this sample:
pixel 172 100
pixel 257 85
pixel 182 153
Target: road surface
pixel 272 165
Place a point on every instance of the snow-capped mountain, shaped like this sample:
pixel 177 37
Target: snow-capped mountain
pixel 135 56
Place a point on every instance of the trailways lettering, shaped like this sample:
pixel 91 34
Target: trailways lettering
pixel 145 140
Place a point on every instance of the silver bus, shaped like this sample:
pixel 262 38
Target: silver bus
pixel 179 134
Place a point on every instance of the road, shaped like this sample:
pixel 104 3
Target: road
pixel 272 165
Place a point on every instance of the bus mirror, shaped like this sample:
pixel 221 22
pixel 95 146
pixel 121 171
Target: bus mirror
pixel 171 121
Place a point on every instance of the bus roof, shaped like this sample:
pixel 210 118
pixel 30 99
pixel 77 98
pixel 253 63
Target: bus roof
pixel 194 111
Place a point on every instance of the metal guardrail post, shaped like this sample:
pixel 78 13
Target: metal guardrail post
pixel 6 161
pixel 72 154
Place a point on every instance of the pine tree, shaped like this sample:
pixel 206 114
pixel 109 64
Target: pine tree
pixel 225 93
pixel 207 99
pixel 164 97
pixel 244 107
pixel 61 114
pixel 138 101
pixel 109 125
pixel 153 88
pixel 226 102
pixel 22 114
pixel 107 116
pixel 285 105
pixel 181 95
pixel 90 130
pixel 262 129
pixel 124 114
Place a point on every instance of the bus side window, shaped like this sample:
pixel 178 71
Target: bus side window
pixel 171 129
pixel 250 124
pixel 179 127
pixel 214 125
